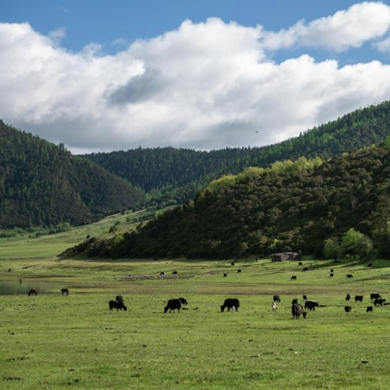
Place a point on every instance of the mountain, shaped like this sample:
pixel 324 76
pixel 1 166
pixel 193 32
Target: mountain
pixel 42 184
pixel 171 175
pixel 290 206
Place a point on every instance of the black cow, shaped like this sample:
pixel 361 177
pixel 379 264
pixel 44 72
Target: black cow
pixel 239 271
pixel 173 304
pixel 375 296
pixel 117 305
pixel 276 298
pixel 300 263
pixel 331 271
pixel 348 297
pixel 293 278
pixel 305 269
pixel 379 302
pixel 183 301
pixel 311 305
pixel 64 291
pixel 331 275
pixel 33 291
pixel 224 275
pixel 230 303
pixel 162 273
pixel 297 309
pixel 348 309
pixel 231 263
pixel 369 265
pixel 174 273
pixel 359 298
pixel 369 309
pixel 349 276
pixel 119 298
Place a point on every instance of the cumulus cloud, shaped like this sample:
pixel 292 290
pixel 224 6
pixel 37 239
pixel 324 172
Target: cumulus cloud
pixel 205 85
pixel 351 28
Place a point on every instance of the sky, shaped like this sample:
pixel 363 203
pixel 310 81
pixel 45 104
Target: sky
pixel 115 75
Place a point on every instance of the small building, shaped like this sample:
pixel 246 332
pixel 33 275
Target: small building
pixel 284 256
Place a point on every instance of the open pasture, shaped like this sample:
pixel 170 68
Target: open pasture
pixel 56 342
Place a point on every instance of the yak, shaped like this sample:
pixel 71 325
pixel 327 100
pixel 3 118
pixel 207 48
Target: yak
pixel 375 296
pixel 369 309
pixel 359 298
pixel 64 291
pixel 293 278
pixel 297 309
pixel 311 305
pixel 348 309
pixel 117 305
pixel 230 303
pixel 33 291
pixel 379 302
pixel 173 304
pixel 348 297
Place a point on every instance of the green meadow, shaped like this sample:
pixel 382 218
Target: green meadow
pixel 51 341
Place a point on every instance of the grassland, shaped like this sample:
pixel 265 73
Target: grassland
pixel 57 342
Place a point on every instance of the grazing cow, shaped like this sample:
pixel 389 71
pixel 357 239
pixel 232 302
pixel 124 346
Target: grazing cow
pixel 348 297
pixel 311 305
pixel 117 305
pixel 183 301
pixel 349 276
pixel 162 273
pixel 224 275
pixel 238 271
pixel 369 309
pixel 119 298
pixel 294 301
pixel 297 309
pixel 369 265
pixel 10 270
pixel 331 271
pixel 359 298
pixel 300 263
pixel 348 309
pixel 173 304
pixel 64 291
pixel 277 298
pixel 379 302
pixel 331 275
pixel 174 273
pixel 232 264
pixel 230 303
pixel 305 269
pixel 274 306
pixel 293 278
pixel 304 297
pixel 375 296
pixel 33 291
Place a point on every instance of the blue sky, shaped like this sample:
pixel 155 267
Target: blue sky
pixel 256 73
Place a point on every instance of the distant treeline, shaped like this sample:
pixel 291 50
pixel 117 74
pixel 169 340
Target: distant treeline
pixel 42 184
pixel 290 207
pixel 171 175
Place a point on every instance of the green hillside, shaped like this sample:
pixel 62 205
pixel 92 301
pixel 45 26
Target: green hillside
pixel 42 184
pixel 292 206
pixel 175 175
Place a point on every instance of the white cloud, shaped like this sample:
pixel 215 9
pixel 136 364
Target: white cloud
pixel 383 46
pixel 205 85
pixel 351 28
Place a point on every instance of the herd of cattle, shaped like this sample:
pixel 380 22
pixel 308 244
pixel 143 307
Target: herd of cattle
pixel 233 304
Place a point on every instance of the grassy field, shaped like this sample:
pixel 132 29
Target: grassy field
pixel 57 342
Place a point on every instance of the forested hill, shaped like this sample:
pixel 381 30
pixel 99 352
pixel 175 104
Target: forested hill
pixel 291 206
pixel 178 174
pixel 42 184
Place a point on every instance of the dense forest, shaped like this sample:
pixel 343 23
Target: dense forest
pixel 42 184
pixel 171 175
pixel 289 206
